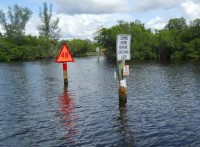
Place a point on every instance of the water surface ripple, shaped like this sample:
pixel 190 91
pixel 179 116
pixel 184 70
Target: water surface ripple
pixel 36 110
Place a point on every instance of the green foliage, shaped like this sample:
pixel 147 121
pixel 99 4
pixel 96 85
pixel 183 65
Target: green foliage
pixel 177 55
pixel 176 41
pixel 48 28
pixel 91 46
pixel 194 29
pixel 140 43
pixel 80 47
pixel 136 55
pixel 7 50
pixel 15 45
pixel 193 50
pixel 32 48
pixel 191 54
pixel 177 25
pixel 164 45
pixel 195 45
pixel 18 18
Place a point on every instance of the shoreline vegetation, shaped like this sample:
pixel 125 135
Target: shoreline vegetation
pixel 177 40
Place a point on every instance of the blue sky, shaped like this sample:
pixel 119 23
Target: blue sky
pixel 82 18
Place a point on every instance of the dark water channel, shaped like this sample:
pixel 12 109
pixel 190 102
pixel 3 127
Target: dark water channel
pixel 163 107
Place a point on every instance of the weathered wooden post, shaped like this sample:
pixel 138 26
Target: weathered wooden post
pixel 123 53
pixel 64 57
pixel 122 82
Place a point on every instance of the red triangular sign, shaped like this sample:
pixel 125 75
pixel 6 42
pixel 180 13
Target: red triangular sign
pixel 64 55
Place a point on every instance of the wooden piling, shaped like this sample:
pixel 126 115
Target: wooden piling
pixel 122 82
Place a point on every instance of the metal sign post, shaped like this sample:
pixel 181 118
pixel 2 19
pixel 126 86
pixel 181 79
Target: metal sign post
pixel 64 57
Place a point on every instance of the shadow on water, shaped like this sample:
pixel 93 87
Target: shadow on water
pixel 127 138
pixel 69 119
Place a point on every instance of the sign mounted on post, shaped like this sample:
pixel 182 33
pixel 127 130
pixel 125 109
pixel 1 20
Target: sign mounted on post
pixel 64 55
pixel 123 47
pixel 97 49
pixel 126 71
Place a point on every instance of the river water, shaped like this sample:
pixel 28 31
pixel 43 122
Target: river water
pixel 163 107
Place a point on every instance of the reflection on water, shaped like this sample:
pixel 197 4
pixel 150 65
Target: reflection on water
pixel 69 119
pixel 127 138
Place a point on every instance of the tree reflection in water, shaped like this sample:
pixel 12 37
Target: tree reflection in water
pixel 69 118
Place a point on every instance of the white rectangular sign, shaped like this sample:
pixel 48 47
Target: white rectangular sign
pixel 97 49
pixel 126 71
pixel 123 47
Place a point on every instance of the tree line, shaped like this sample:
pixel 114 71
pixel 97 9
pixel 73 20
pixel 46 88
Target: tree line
pixel 177 40
pixel 16 45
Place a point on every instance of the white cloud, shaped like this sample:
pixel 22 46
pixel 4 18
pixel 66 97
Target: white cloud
pixel 85 25
pixel 191 9
pixel 156 23
pixel 82 18
pixel 31 26
pixel 146 5
pixel 92 6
